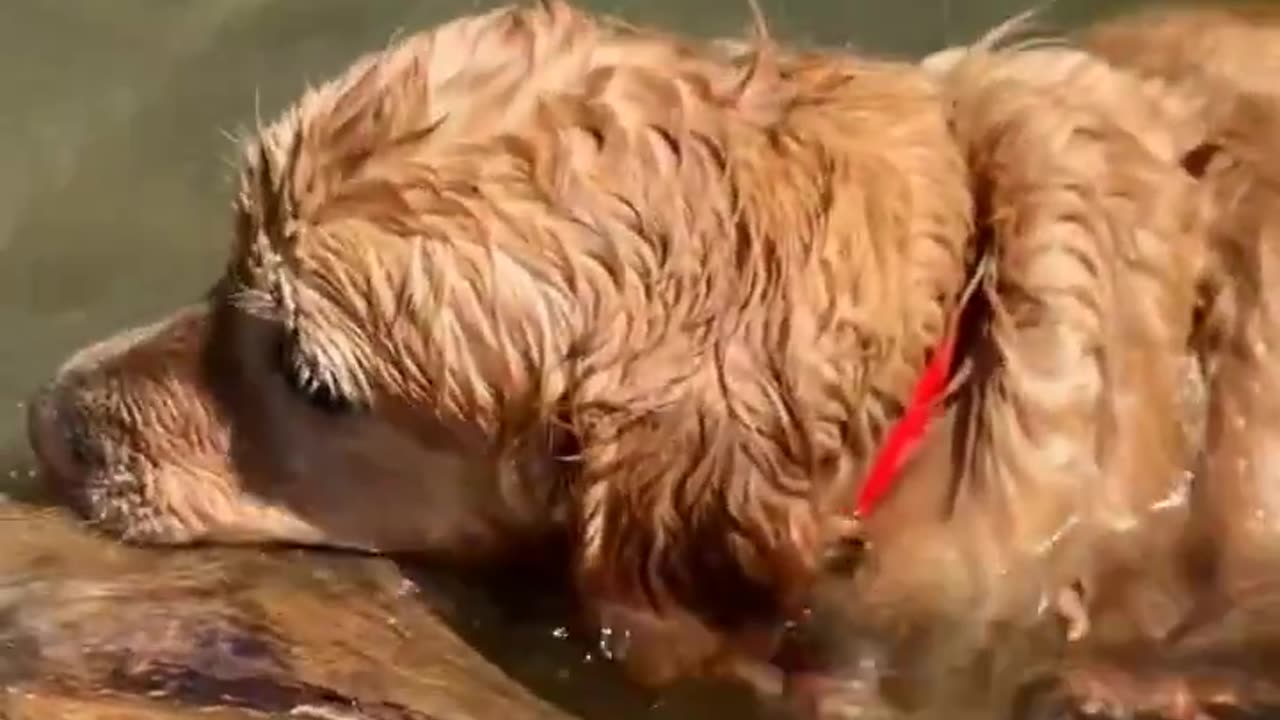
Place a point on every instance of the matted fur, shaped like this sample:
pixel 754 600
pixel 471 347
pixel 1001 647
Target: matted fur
pixel 717 272
pixel 539 271
pixel 1073 426
pixel 1063 465
pixel 1231 57
pixel 1122 408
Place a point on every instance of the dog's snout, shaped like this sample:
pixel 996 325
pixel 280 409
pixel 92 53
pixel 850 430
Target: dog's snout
pixel 59 437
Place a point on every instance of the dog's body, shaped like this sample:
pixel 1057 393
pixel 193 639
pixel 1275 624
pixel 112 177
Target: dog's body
pixel 537 272
pixel 1132 218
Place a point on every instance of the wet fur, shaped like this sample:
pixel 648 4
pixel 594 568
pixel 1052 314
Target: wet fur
pixel 671 295
pixel 1125 194
pixel 553 225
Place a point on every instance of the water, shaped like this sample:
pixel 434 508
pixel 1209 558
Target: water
pixel 114 188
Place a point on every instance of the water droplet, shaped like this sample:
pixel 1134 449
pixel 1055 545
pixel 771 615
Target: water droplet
pixel 606 649
pixel 613 646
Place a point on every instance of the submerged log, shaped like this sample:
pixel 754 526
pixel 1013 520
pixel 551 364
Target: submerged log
pixel 94 629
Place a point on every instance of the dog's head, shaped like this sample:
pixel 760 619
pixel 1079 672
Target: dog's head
pixel 534 272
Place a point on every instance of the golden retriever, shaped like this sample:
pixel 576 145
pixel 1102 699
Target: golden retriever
pixel 538 272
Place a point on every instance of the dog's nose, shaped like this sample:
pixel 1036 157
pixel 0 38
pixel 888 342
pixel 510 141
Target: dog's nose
pixel 58 434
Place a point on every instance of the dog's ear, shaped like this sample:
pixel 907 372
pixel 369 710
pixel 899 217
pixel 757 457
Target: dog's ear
pixel 692 545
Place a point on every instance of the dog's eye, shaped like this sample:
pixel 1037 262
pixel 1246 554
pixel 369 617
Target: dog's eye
pixel 319 389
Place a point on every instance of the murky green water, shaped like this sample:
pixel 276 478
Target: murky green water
pixel 114 174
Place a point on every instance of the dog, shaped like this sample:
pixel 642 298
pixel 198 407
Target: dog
pixel 966 348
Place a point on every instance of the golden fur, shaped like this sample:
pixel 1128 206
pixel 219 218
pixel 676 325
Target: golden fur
pixel 559 227
pixel 536 271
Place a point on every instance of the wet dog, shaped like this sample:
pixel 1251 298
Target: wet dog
pixel 956 348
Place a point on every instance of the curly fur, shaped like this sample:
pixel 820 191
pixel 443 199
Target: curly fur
pixel 716 271
pixel 668 296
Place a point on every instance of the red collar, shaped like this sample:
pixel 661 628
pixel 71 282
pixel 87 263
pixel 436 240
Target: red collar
pixel 932 385
pixel 908 430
